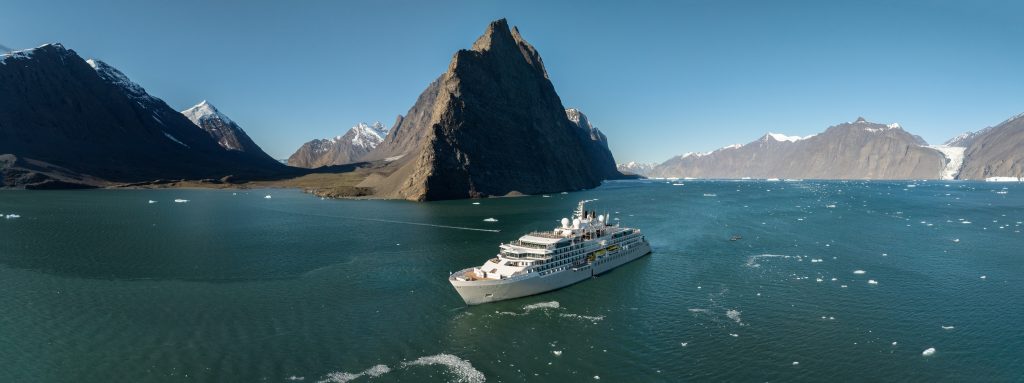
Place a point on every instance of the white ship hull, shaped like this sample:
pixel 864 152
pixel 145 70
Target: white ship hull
pixel 483 291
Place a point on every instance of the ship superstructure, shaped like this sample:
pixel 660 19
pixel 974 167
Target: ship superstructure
pixel 585 246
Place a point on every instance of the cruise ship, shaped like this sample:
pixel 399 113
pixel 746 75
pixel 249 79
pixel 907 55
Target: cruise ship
pixel 538 262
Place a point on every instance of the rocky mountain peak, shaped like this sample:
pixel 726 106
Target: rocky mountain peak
pixel 204 111
pixel 507 43
pixel 860 120
pixel 114 76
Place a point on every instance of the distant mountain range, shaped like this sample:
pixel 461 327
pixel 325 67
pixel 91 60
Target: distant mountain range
pixel 857 150
pixel 639 168
pixel 69 122
pixel 344 149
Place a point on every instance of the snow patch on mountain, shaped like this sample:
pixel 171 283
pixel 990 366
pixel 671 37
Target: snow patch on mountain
pixel 8 55
pixel 367 136
pixel 639 168
pixel 116 77
pixel 204 111
pixel 784 138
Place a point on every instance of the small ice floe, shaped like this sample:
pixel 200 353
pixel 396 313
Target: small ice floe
pixel 948 327
pixel 830 206
pixel 597 377
pixel 557 352
pixel 490 219
pixel 180 200
pixel 12 216
pixel 872 282
pixel 965 222
pixel 834 279
pixel 796 363
pixel 234 193
pixel 843 286
pixel 152 201
pixel 983 277
pixel 817 260
pixel 894 343
pixel 734 335
pixel 956 240
pixel 267 196
pixel 546 196
pixel 859 272
pixel 296 378
pixel 819 280
pixel 565 192
pixel 476 203
pixel 928 352
pixel 683 344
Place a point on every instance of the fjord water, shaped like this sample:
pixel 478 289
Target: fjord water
pixel 102 286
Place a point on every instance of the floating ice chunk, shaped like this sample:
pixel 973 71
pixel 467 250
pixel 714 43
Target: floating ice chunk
pixel 179 200
pixel 834 279
pixel 983 277
pixel 565 192
pixel 818 280
pixel 734 335
pixel 597 377
pixel 796 363
pixel 296 378
pixel 859 272
pixel 734 315
pixel 956 240
pixel 830 206
pixel 817 260
pixel 152 201
pixel 684 344
pixel 267 196
pixel 894 343
pixel 476 203
pixel 843 286
pixel 948 327
pixel 490 219
pixel 12 216
pixel 872 282
pixel 557 352
pixel 965 222
pixel 928 352
pixel 546 196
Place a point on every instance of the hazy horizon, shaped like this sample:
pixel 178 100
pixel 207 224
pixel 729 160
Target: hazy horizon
pixel 659 80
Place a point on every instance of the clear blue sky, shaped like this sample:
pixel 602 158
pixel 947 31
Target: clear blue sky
pixel 659 78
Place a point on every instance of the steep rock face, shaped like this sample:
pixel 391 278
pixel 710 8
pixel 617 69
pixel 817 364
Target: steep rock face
pixel 225 132
pixel 491 125
pixel 58 111
pixel 858 150
pixel 997 151
pixel 344 149
pixel 595 144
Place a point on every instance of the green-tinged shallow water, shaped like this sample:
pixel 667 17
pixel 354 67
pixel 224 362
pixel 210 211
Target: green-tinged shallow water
pixel 102 286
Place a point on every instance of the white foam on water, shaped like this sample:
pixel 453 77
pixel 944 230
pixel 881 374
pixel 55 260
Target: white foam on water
pixel 461 368
pixel 490 220
pixel 948 327
pixel 542 306
pixel 752 260
pixel 377 370
pixel 734 315
pixel 296 378
pixel 928 352
pixel 698 310
pixel 343 377
pixel 592 318
pixel 859 272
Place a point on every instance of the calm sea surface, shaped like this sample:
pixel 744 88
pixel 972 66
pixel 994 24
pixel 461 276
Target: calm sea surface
pixel 103 286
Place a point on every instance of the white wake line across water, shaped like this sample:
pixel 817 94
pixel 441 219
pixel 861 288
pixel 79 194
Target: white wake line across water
pixel 393 221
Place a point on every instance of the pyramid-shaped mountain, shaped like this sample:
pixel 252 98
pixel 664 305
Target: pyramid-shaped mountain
pixel 491 125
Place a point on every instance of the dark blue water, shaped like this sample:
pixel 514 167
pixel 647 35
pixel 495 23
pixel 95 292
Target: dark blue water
pixel 102 286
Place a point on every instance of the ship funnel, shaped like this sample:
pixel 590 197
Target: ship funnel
pixel 565 223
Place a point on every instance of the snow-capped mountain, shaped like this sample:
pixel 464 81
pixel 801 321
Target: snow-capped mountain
pixel 222 129
pixel 69 122
pixel 344 149
pixel 853 150
pixel 638 168
pixel 996 151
